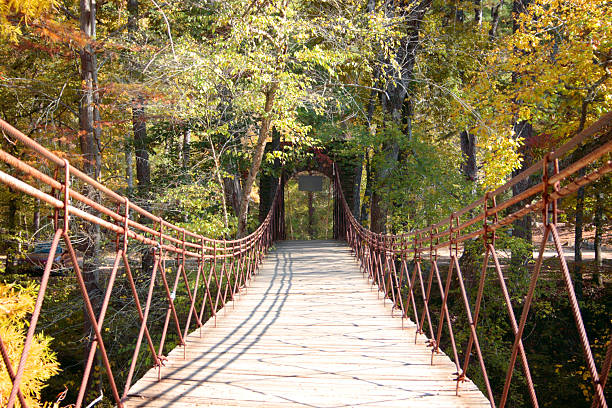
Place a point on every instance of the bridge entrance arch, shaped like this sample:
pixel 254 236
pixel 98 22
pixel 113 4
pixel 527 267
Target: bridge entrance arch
pixel 320 161
pixel 309 199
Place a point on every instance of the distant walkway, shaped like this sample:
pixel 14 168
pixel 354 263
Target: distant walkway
pixel 309 332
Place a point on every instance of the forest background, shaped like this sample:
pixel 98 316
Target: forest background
pixel 171 103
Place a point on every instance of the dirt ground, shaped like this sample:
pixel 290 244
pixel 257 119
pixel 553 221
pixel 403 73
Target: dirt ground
pixel 566 233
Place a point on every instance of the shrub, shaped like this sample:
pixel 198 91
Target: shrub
pixel 16 303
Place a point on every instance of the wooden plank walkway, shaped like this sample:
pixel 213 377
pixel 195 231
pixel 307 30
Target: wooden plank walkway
pixel 309 332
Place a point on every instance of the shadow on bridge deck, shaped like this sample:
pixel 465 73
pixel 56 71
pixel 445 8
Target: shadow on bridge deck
pixel 309 331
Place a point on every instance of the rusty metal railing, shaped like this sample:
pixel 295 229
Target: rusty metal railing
pixel 385 258
pixel 226 265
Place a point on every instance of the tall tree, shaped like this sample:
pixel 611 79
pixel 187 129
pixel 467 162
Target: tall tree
pixel 396 106
pixel 139 129
pixel 141 149
pixel 523 131
pixel 264 128
pixel 89 140
pixel 89 113
pixel 598 221
pixel 139 121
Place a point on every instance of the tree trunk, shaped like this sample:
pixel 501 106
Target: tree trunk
pixel 132 26
pixel 89 141
pixel 378 214
pixel 233 192
pixel 478 12
pixel 598 221
pixel 36 219
pixel 187 150
pixel 139 128
pixel 219 180
pixel 367 195
pixel 380 206
pixel 521 227
pixel 520 258
pixel 357 188
pixel 89 130
pixel 89 135
pixel 143 172
pixel 143 167
pixel 268 182
pixel 407 113
pixel 129 168
pixel 311 232
pixel 139 122
pixel 397 109
pixel 266 121
pixel 469 167
pixel 579 221
pixel 578 225
pixel 495 14
pixel 11 222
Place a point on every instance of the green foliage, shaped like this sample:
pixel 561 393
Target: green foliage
pixel 426 185
pixel 196 207
pixel 551 340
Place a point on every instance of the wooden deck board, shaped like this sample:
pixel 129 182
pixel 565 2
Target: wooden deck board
pixel 309 331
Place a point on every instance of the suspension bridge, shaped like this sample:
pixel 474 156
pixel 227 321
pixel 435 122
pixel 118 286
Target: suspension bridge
pixel 348 322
